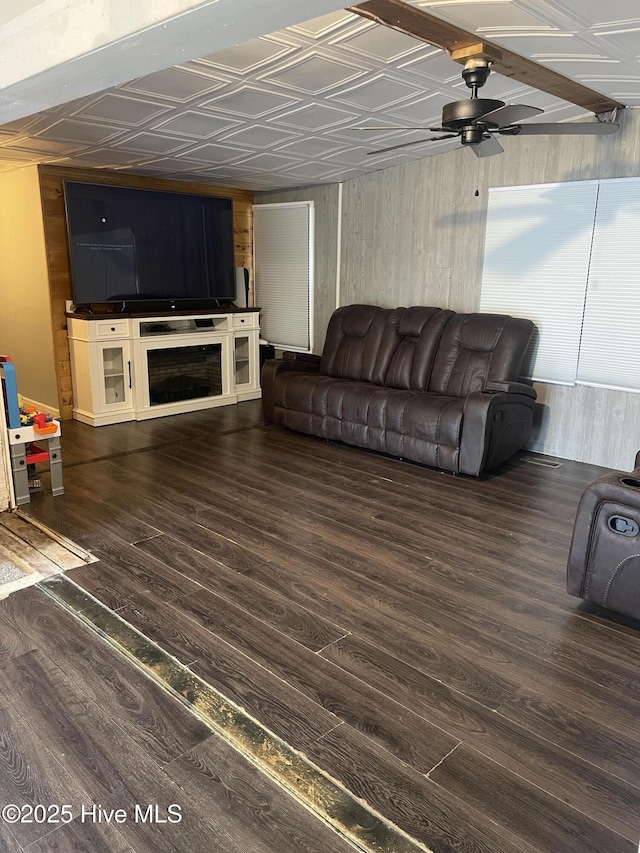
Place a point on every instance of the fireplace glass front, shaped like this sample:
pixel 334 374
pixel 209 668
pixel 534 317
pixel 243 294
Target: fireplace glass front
pixel 184 373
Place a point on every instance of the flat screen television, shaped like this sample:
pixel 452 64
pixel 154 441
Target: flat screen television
pixel 130 246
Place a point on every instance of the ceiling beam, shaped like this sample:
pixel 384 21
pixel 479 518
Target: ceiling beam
pixel 461 44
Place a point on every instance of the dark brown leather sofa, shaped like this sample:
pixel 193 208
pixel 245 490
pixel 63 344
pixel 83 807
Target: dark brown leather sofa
pixel 424 384
pixel 604 560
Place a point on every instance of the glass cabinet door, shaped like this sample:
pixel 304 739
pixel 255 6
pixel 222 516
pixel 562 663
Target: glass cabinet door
pixel 241 360
pixel 114 362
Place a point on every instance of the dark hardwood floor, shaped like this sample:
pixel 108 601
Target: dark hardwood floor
pixel 408 630
pixel 81 727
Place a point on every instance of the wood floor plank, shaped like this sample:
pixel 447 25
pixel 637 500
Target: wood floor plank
pixel 80 447
pixel 75 730
pixel 25 555
pixel 281 708
pixel 265 473
pixel 424 810
pixel 444 664
pixel 542 821
pixel 146 713
pixel 542 676
pixel 37 539
pixel 570 689
pixel 91 729
pixel 578 660
pixel 580 783
pixel 129 561
pixel 275 821
pixel 30 774
pixel 85 837
pixel 108 584
pixel 540 621
pixel 492 685
pixel 529 626
pixel 405 734
pixel 111 767
pixel 451 590
pixel 297 622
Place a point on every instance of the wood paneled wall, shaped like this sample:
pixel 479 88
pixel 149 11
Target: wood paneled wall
pixel 326 200
pixel 414 234
pixel 55 229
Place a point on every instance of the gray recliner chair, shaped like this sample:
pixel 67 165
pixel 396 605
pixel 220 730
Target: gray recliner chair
pixel 604 559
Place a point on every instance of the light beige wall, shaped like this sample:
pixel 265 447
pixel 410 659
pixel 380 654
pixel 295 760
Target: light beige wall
pixel 5 469
pixel 25 316
pixel 326 200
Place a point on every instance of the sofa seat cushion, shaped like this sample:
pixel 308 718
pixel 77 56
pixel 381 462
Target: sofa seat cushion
pixel 428 417
pixel 404 423
pixel 302 392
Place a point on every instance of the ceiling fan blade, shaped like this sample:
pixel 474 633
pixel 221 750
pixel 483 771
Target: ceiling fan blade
pixel 487 148
pixel 509 114
pixel 415 142
pixel 584 128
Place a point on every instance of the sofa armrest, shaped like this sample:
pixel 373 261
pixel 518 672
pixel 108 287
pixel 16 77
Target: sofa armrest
pixel 511 388
pixel 305 357
pixel 494 426
pixel 270 372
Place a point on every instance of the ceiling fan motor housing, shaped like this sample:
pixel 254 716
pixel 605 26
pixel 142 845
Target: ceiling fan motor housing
pixel 460 114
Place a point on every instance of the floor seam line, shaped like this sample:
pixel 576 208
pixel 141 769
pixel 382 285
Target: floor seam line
pixel 325 797
pixel 442 760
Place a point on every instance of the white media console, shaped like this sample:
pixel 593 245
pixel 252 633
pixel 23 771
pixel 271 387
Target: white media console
pixel 128 368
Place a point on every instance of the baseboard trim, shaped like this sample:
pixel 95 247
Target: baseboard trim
pixel 41 407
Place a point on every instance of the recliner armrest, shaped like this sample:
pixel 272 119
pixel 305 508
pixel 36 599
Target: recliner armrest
pixel 494 425
pixel 273 368
pixel 511 388
pixel 308 357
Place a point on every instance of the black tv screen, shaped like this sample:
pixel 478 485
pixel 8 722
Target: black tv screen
pixel 130 244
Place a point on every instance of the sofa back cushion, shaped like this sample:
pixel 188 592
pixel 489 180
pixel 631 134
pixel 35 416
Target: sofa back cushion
pixel 420 330
pixel 478 348
pixel 361 340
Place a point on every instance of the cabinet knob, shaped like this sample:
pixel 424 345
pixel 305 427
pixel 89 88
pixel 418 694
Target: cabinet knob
pixel 113 328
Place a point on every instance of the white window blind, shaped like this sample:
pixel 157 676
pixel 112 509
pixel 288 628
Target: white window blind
pixel 536 263
pixel 610 349
pixel 283 257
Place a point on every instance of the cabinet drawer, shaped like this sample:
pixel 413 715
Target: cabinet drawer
pixel 101 330
pixel 245 321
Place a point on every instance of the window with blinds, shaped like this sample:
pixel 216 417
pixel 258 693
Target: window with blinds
pixel 610 348
pixel 567 256
pixel 283 258
pixel 536 264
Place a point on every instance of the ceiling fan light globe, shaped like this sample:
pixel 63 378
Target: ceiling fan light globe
pixel 472 135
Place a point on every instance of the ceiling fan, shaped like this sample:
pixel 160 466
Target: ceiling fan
pixel 476 120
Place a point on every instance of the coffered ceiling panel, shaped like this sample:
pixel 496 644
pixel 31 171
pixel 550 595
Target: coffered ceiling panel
pixel 378 43
pixel 314 73
pixel 174 84
pixel 195 124
pixel 121 109
pixel 285 109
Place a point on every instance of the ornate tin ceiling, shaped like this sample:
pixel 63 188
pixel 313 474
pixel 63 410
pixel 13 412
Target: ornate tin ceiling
pixel 283 110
